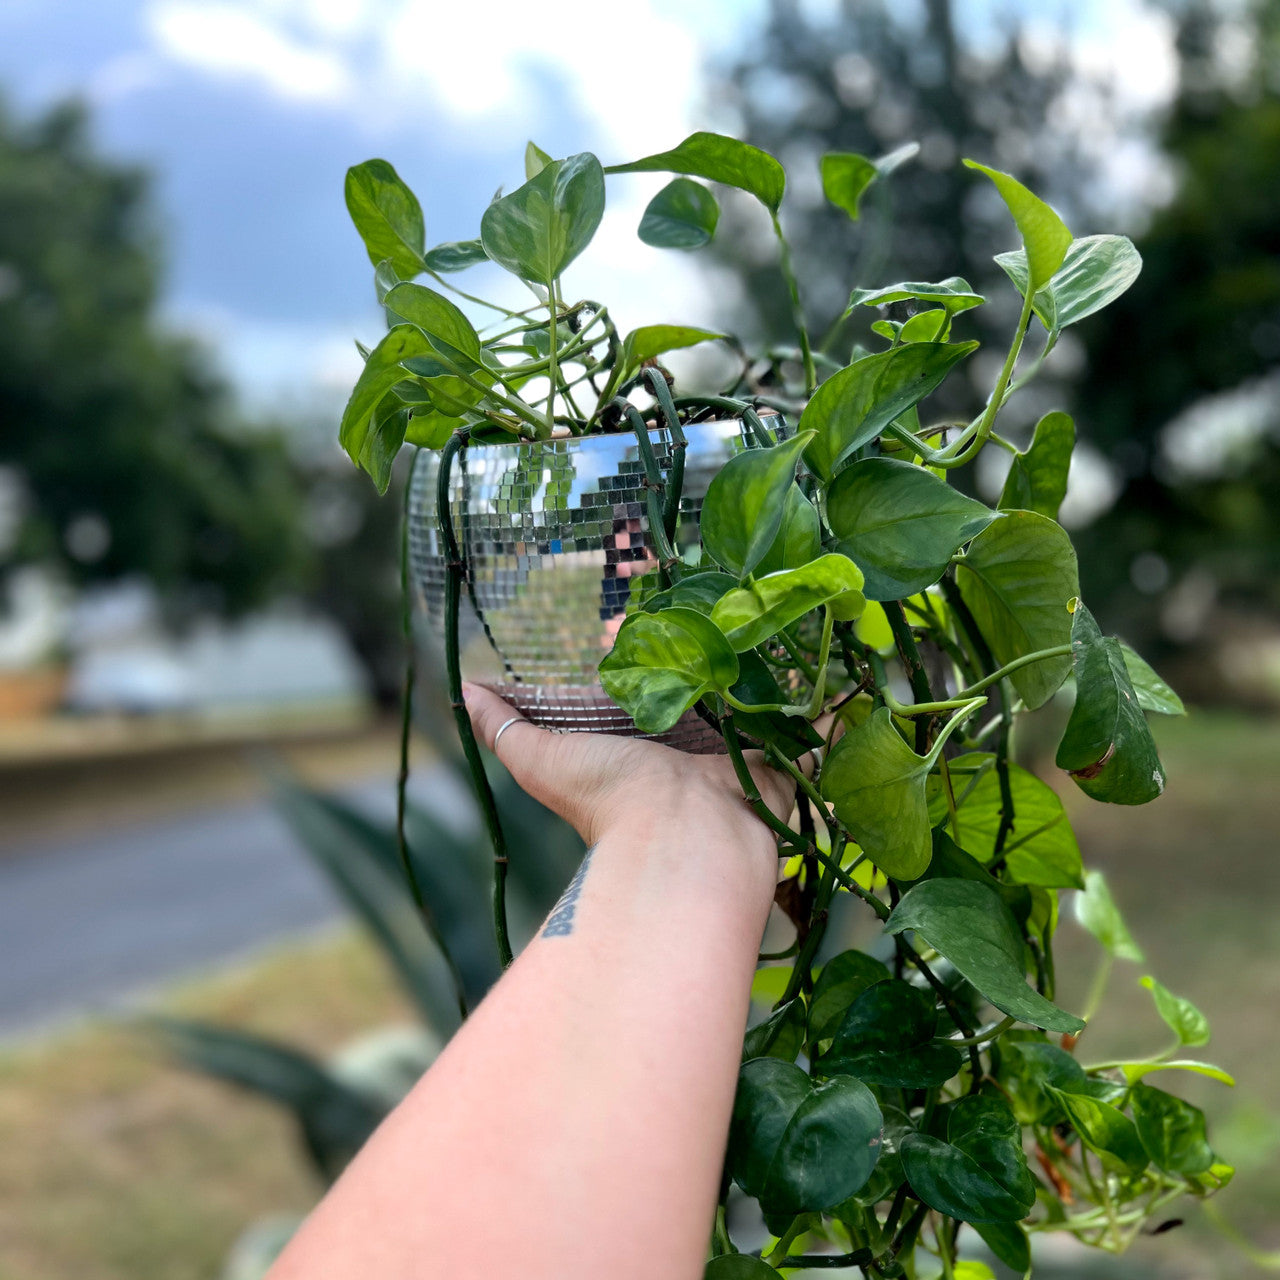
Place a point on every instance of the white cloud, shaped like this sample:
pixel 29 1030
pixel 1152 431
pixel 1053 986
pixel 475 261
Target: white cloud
pixel 240 41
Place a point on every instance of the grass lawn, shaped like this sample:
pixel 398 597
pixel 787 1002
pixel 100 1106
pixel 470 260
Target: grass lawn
pixel 113 1164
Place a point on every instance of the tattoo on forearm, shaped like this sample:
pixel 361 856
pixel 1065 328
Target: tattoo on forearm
pixel 560 923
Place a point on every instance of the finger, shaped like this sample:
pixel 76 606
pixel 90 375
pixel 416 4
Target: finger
pixel 517 744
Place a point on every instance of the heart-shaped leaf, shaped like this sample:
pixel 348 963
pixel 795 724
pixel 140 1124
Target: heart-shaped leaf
pixel 953 294
pixel 799 536
pixel 662 663
pixel 1008 1241
pixel 1180 1015
pixel 535 160
pixel 455 255
pixel 1041 849
pixel 648 343
pixel 749 615
pixel 1017 579
pixel 951 860
pixel 1045 237
pixel 541 227
pixel 979 1174
pixel 966 922
pixel 382 370
pixel 683 215
pixel 1153 693
pixel 1172 1131
pixel 1094 273
pixel 718 159
pixel 436 316
pixel 743 509
pixel 1030 1072
pixel 886 1038
pixel 843 979
pixel 1107 748
pixel 853 406
pixel 800 1147
pixel 1097 912
pixel 900 524
pixel 1037 479
pixel 1105 1130
pixel 846 175
pixel 387 215
pixel 875 782
pixel 698 591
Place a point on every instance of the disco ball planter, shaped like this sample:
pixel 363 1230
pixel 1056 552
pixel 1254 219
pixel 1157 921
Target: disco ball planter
pixel 556 540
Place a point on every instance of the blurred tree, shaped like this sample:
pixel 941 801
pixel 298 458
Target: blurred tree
pixel 868 79
pixel 125 451
pixel 1183 380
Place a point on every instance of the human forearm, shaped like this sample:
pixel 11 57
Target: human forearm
pixel 575 1126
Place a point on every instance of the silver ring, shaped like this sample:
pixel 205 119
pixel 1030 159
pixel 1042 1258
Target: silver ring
pixel 818 754
pixel 502 728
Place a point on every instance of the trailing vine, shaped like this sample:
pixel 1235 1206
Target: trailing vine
pixel 850 609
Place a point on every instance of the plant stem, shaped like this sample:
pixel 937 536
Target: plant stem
pixel 456 569
pixel 402 775
pixel 967 695
pixel 913 665
pixel 797 311
pixel 779 1252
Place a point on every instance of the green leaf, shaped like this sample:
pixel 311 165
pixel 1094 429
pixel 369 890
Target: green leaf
pixel 843 979
pixel 336 1121
pixel 541 227
pixel 1097 912
pixel 683 215
pixel 1107 747
pixel 1030 1070
pixel 924 326
pixel 1040 850
pixel 846 176
pixel 980 1173
pixel 743 509
pixel 1172 1131
pixel 455 255
pixel 799 537
pixel 973 1271
pixel 535 160
pixel 781 1035
pixel 966 922
pixel 953 294
pixel 1008 1241
pixel 1105 1130
pixel 756 686
pixel 886 1038
pixel 1037 479
pixel 698 591
pixel 383 439
pixel 875 783
pixel 382 370
pixel 749 615
pixel 429 428
pixel 738 1266
pixel 1153 693
pixel 800 1147
pixel 648 343
pixel 387 215
pixel 718 159
pixel 1134 1071
pixel 1017 579
pixel 900 524
pixel 949 859
pixel 853 406
pixel 1044 235
pixel 662 663
pixel 1182 1017
pixel 436 316
pixel 1094 273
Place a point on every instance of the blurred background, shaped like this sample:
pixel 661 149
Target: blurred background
pixel 200 654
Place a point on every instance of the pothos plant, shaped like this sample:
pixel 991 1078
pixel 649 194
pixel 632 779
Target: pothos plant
pixel 847 601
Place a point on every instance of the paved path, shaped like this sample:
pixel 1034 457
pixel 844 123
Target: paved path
pixel 89 923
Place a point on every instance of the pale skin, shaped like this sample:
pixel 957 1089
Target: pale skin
pixel 575 1126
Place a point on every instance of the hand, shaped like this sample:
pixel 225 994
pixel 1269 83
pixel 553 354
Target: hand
pixel 596 781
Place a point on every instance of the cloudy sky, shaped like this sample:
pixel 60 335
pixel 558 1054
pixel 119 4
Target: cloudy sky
pixel 250 111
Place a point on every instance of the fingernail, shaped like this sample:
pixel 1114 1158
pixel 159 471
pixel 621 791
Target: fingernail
pixel 467 691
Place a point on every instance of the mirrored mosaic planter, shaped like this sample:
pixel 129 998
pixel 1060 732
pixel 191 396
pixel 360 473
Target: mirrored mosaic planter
pixel 555 534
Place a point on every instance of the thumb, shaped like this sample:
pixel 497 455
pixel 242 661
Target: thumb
pixel 503 730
